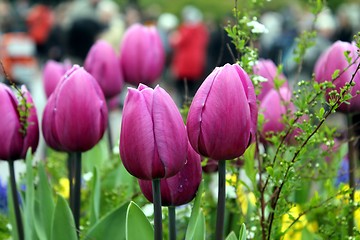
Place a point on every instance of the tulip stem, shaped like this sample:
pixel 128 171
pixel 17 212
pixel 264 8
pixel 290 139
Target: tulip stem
pixel 15 199
pixel 172 222
pixel 221 202
pixel 77 191
pixel 352 167
pixel 157 209
pixel 71 168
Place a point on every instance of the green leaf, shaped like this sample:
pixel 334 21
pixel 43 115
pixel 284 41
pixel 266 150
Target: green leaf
pixel 95 198
pixel 270 171
pixel 249 165
pixel 96 156
pixel 231 236
pixel 12 218
pixel 137 225
pixel 44 205
pixel 195 218
pixel 29 202
pixel 200 232
pixel 63 225
pixel 242 233
pixel 111 226
pixel 335 74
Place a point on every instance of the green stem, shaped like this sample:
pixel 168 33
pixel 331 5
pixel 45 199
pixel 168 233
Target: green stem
pixel 77 191
pixel 157 209
pixel 71 176
pixel 16 204
pixel 172 222
pixel 352 167
pixel 221 202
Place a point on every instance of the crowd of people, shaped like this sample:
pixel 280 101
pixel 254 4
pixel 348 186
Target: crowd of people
pixel 194 44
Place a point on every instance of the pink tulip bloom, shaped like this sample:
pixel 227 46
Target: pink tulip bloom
pixel 181 188
pixel 52 73
pixel 266 68
pixel 153 141
pixel 222 118
pixel 334 59
pixel 75 116
pixel 102 63
pixel 274 105
pixel 15 137
pixel 142 55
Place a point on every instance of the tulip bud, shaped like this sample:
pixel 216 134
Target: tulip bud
pixel 334 59
pixel 19 129
pixel 75 116
pixel 274 105
pixel 142 55
pixel 222 117
pixel 181 188
pixel 102 63
pixel 52 73
pixel 153 141
pixel 266 68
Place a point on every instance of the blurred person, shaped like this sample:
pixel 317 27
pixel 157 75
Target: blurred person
pixel 325 26
pixel 189 43
pixel 132 14
pixel 40 20
pixel 220 49
pixel 83 29
pixel 109 15
pixel 348 18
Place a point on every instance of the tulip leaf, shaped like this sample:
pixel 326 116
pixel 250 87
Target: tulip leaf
pixel 96 156
pixel 136 220
pixel 231 236
pixel 29 203
pixel 249 165
pixel 242 233
pixel 111 226
pixel 63 225
pixel 44 205
pixel 95 198
pixel 11 212
pixel 195 218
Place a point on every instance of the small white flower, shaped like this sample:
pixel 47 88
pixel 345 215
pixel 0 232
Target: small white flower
pixel 88 176
pixel 257 27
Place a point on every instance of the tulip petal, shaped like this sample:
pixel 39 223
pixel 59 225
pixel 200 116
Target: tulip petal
pixel 170 133
pixel 137 136
pixel 11 141
pixel 32 132
pixel 194 119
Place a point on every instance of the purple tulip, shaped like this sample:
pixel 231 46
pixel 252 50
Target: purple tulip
pixel 181 188
pixel 266 68
pixel 274 105
pixel 334 59
pixel 142 55
pixel 102 63
pixel 52 73
pixel 17 135
pixel 211 166
pixel 153 141
pixel 75 116
pixel 222 118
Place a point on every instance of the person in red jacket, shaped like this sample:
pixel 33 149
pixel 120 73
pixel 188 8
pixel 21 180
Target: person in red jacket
pixel 189 45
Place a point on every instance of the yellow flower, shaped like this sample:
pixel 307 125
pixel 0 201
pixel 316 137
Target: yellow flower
pixel 63 187
pixel 294 232
pixel 245 199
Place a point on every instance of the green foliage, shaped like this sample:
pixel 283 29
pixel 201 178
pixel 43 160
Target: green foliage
pixel 63 225
pixel 135 218
pixel 196 227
